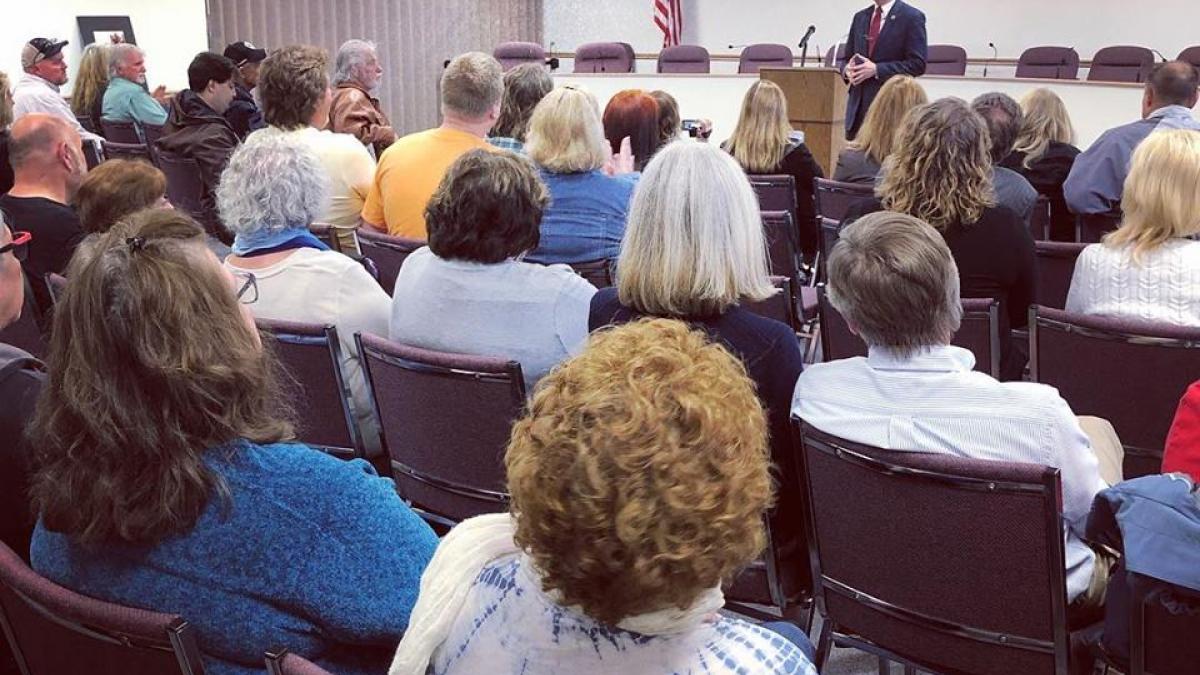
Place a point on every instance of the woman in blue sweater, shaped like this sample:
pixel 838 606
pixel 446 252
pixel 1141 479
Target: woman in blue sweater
pixel 166 479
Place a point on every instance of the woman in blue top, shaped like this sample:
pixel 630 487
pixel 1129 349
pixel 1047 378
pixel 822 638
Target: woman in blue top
pixel 589 193
pixel 166 480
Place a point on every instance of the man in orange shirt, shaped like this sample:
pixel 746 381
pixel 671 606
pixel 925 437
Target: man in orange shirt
pixel 409 171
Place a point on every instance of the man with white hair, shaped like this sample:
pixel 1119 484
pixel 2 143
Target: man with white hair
pixel 37 90
pixel 126 99
pixel 354 110
pixel 410 170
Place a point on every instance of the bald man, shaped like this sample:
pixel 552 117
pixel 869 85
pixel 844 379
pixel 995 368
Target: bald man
pixel 48 165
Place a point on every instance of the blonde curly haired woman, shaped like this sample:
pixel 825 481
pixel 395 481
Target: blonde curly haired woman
pixel 941 172
pixel 639 478
pixel 90 82
pixel 863 157
pixel 1045 153
pixel 1149 268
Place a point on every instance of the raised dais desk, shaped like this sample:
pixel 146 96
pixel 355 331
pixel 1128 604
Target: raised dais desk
pixel 1094 106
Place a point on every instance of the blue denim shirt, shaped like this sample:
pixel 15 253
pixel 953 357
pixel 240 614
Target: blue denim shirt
pixel 586 217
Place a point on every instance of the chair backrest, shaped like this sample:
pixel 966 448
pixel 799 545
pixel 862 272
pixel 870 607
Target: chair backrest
pixel 1090 228
pixel 445 420
pixel 598 272
pixel 834 198
pixel 950 564
pixel 311 354
pixel 946 60
pixel 1040 218
pixel 512 54
pixel 775 192
pixel 604 57
pixel 765 55
pixel 1123 63
pixel 387 252
pixel 781 306
pixel 185 188
pixel 135 151
pixel 1049 63
pixel 833 58
pixel 1190 55
pixel 1162 629
pixel 783 247
pixel 93 153
pixel 281 662
pixel 1056 267
pixel 1130 373
pixel 54 630
pixel 979 333
pixel 87 123
pixel 130 132
pixel 683 59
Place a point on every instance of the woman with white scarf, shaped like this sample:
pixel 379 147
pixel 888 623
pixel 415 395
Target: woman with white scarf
pixel 639 479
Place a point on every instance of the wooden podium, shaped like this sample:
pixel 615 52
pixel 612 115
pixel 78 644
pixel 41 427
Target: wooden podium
pixel 817 106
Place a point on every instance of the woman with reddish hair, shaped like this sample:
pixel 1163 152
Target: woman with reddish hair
pixel 633 114
pixel 1182 453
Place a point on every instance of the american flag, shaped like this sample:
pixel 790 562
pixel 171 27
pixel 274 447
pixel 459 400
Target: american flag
pixel 669 19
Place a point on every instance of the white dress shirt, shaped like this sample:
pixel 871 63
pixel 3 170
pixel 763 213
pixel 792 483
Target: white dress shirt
pixel 1163 286
pixel 36 95
pixel 934 402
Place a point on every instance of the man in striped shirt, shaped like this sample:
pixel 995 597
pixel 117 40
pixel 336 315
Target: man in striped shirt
pixel 894 280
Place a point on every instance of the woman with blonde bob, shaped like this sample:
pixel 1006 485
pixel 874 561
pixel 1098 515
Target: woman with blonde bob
pixel 694 250
pixel 589 196
pixel 762 143
pixel 862 159
pixel 1044 154
pixel 1152 251
pixel 941 173
pixel 639 477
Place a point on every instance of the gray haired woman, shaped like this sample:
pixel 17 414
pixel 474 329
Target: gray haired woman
pixel 272 190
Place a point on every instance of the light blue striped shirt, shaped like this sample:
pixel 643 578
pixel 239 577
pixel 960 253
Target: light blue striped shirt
pixel 508 625
pixel 934 402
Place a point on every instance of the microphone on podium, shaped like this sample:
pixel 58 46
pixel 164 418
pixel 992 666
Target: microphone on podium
pixel 804 45
pixel 995 55
pixel 738 46
pixel 552 60
pixel 1160 55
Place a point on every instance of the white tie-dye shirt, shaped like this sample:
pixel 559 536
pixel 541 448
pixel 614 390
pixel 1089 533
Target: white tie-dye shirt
pixel 508 625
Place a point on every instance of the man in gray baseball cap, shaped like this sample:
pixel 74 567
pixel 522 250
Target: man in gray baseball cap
pixel 37 90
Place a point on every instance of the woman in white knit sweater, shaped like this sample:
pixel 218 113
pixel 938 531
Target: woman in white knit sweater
pixel 1149 269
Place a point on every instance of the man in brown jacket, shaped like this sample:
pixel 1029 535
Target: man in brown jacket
pixel 197 129
pixel 354 110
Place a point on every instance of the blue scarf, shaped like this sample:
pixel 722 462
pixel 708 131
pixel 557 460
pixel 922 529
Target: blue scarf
pixel 265 241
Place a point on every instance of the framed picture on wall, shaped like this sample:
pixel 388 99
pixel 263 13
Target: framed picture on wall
pixel 102 29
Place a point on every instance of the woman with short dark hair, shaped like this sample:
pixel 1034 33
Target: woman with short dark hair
pixel 168 478
pixel 469 292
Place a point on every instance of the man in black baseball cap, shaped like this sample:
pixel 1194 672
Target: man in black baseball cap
pixel 243 114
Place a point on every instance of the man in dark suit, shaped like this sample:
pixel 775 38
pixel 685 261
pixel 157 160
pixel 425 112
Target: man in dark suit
pixel 886 39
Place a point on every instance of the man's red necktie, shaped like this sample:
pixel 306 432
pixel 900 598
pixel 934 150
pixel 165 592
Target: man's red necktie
pixel 873 34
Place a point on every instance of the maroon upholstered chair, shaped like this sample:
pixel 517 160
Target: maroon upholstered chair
pixel 1049 63
pixel 765 55
pixel 1090 228
pixel 835 198
pixel 783 247
pixel 282 662
pixel 134 151
pixel 835 55
pixel 1122 63
pixel 683 59
pixel 979 333
pixel 1162 630
pixel 605 57
pixel 513 54
pixel 311 354
pixel 185 188
pixel 54 630
pixel 598 272
pixel 781 306
pixel 1130 373
pixel 387 252
pixel 1039 221
pixel 130 132
pixel 1190 55
pixel 948 564
pixel 946 60
pixel 775 192
pixel 445 420
pixel 1056 267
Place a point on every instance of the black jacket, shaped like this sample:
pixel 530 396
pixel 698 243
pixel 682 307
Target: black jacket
pixel 196 131
pixel 243 114
pixel 21 378
pixel 1047 175
pixel 902 50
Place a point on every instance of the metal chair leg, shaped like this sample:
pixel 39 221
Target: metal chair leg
pixel 824 642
